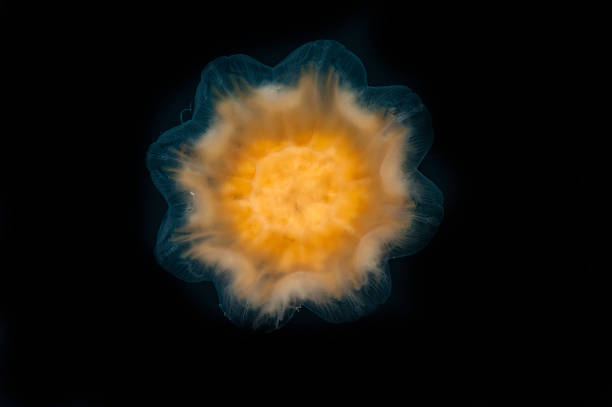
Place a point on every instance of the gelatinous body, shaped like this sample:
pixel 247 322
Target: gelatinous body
pixel 294 185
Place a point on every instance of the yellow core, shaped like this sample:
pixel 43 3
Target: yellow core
pixel 297 201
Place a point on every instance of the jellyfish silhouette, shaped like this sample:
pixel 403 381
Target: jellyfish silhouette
pixel 294 185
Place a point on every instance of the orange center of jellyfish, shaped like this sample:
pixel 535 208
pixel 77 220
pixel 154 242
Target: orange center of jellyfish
pixel 295 202
pixel 297 189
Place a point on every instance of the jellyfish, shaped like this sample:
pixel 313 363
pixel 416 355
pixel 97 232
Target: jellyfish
pixel 292 186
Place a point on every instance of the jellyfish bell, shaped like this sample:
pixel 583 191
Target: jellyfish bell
pixel 294 185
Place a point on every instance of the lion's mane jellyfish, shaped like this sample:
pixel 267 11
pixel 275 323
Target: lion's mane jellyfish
pixel 293 185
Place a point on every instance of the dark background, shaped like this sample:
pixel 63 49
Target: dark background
pixel 87 317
